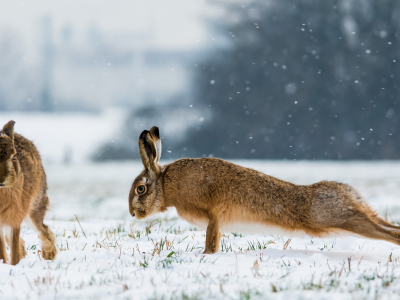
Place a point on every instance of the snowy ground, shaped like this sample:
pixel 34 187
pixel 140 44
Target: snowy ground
pixel 110 255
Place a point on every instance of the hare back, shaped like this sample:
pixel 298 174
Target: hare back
pixel 30 162
pixel 194 185
pixel 199 188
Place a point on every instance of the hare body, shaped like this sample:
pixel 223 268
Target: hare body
pixel 22 195
pixel 221 196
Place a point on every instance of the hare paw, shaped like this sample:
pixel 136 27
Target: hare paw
pixel 49 254
pixel 210 251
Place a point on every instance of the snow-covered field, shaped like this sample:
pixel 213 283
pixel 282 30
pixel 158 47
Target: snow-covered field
pixel 110 255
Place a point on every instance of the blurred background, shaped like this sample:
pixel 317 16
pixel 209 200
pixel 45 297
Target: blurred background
pixel 260 81
pixel 241 79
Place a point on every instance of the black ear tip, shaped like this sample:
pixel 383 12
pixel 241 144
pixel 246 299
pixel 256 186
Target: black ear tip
pixel 8 129
pixel 156 131
pixel 143 134
pixel 10 123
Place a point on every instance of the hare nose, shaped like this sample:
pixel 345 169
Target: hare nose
pixel 133 214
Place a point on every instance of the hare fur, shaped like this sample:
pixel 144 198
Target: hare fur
pixel 22 195
pixel 221 195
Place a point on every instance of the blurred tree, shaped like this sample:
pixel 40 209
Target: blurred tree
pixel 303 79
pixel 18 80
pixel 173 115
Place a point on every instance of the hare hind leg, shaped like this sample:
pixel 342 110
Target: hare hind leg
pixel 3 254
pixel 386 224
pixel 340 206
pixel 366 207
pixel 35 221
pixel 368 227
pixel 379 227
pixel 22 247
pixel 49 250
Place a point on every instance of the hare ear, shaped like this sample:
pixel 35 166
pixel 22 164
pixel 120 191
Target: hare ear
pixel 147 150
pixel 155 134
pixel 8 129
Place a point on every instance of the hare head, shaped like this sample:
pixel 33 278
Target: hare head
pixel 9 165
pixel 145 197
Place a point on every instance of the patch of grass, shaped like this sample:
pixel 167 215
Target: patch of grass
pixel 225 247
pixel 249 294
pixel 236 234
pixel 33 247
pixel 191 248
pixel 311 285
pixel 253 246
pixel 166 263
pixel 183 296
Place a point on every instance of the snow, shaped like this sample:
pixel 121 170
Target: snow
pixel 110 255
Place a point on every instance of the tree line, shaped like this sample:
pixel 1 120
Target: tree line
pixel 303 79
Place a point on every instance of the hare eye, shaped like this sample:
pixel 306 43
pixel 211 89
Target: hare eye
pixel 14 157
pixel 141 189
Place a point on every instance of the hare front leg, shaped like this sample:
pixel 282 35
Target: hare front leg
pixel 213 236
pixel 15 246
pixel 21 243
pixel 3 254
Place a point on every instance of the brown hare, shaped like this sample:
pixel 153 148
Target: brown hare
pixel 224 197
pixel 22 195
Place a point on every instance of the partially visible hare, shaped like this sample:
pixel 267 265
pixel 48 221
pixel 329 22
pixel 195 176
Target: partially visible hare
pixel 223 196
pixel 22 195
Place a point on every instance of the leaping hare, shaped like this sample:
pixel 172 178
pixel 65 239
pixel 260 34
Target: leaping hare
pixel 223 196
pixel 22 195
